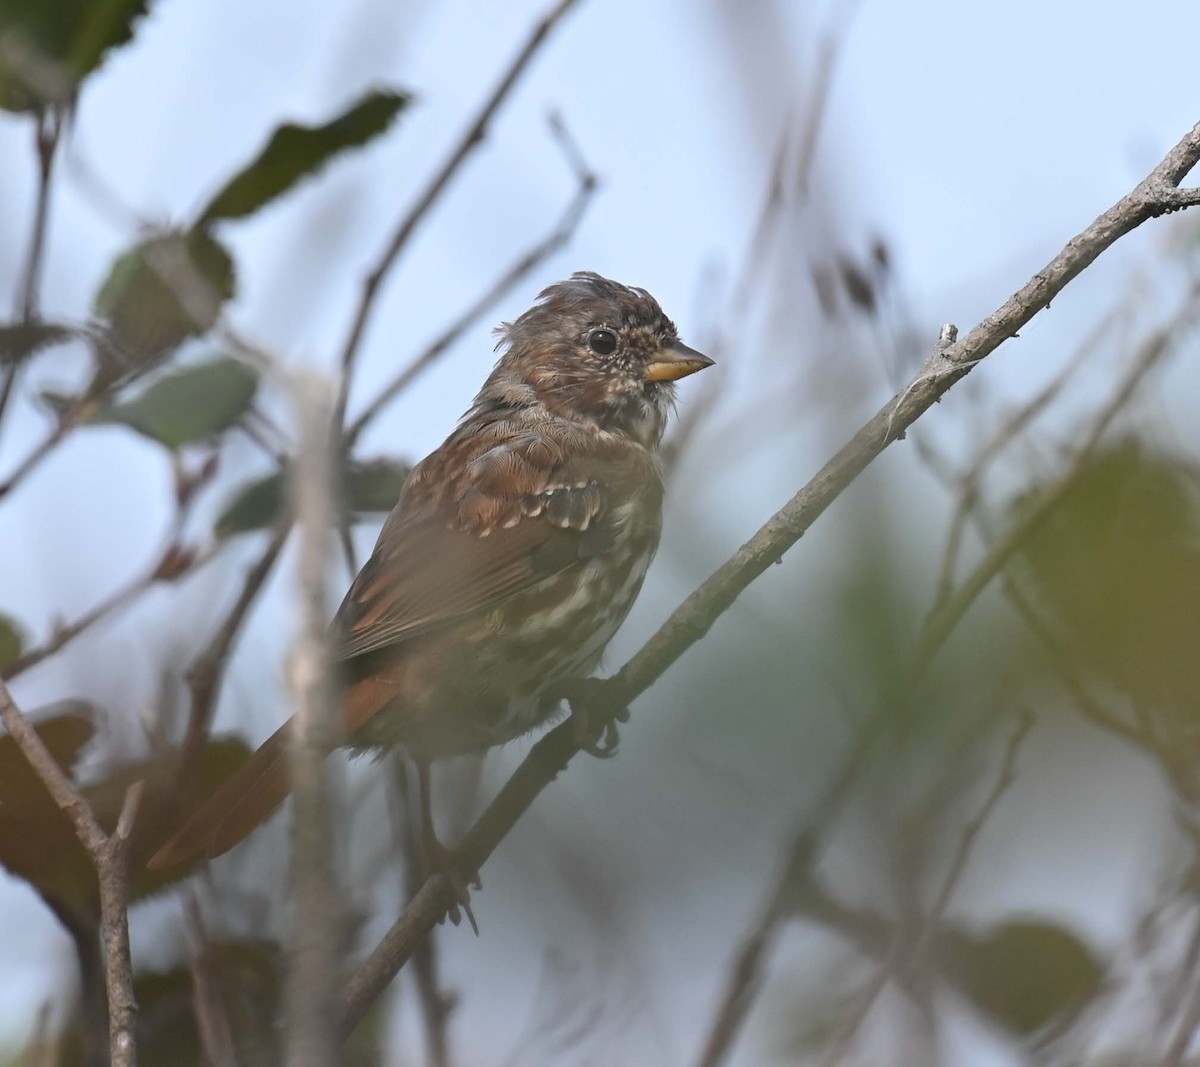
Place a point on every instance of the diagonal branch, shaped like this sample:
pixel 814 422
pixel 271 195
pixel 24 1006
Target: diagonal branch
pixel 952 360
pixel 474 135
pixel 563 230
pixel 208 671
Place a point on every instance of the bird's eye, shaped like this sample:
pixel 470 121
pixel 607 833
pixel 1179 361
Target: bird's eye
pixel 603 342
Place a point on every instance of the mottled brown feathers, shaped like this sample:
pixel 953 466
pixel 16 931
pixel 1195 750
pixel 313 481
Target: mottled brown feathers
pixel 514 553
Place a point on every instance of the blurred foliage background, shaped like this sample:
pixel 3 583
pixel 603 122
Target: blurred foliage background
pixel 927 794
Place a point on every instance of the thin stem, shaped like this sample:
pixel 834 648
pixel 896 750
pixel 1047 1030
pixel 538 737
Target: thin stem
pixel 907 947
pixel 946 616
pixel 521 268
pixel 474 135
pixel 48 130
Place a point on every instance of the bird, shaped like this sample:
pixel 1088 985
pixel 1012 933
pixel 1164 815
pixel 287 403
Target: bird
pixel 512 556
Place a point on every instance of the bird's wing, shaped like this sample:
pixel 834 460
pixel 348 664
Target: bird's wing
pixel 506 525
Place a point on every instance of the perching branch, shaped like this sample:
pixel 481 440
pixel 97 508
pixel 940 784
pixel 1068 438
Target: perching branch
pixel 952 360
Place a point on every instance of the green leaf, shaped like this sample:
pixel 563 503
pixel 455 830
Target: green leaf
pixel 189 405
pixel 164 290
pixel 47 47
pixel 255 507
pixel 20 340
pixel 373 487
pixel 1118 562
pixel 12 641
pixel 1024 973
pixel 64 727
pixel 294 152
pixel 369 488
pixel 39 844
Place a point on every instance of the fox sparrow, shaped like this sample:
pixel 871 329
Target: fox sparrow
pixel 514 553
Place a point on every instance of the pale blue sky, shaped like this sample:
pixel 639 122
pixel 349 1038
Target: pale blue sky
pixel 977 137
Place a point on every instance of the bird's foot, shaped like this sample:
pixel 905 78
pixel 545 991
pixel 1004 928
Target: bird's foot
pixel 594 723
pixel 439 860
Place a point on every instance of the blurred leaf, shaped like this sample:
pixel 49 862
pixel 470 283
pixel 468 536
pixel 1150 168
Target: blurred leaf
pixel 1118 560
pixel 295 152
pixel 64 728
pixel 369 488
pixel 12 641
pixel 1022 974
pixel 188 405
pixel 373 487
pixel 245 978
pixel 161 292
pixel 255 507
pixel 38 843
pixel 20 340
pixel 47 47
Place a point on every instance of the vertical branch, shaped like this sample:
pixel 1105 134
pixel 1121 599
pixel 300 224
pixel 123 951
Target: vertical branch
pixel 314 967
pixel 48 132
pixel 112 867
pixel 436 1005
pixel 109 857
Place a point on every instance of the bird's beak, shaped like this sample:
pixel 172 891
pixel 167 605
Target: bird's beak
pixel 675 360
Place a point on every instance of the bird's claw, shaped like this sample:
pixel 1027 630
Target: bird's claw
pixel 439 861
pixel 594 725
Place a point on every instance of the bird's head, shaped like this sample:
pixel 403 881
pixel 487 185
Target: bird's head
pixel 592 349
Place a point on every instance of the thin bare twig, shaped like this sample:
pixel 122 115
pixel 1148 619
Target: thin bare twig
pixel 970 832
pixel 109 857
pixel 207 672
pixel 174 561
pixel 474 135
pixel 436 1006
pixel 908 946
pixel 828 53
pixel 516 272
pixel 48 132
pixel 64 424
pixel 212 1021
pixel 1009 428
pixel 316 935
pixel 746 974
pixel 1185 1033
pixel 1088 705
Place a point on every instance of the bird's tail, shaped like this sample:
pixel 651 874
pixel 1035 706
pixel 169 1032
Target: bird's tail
pixel 242 802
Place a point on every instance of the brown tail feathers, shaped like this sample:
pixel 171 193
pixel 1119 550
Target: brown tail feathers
pixel 242 802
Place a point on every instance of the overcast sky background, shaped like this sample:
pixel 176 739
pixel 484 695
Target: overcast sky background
pixel 975 137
